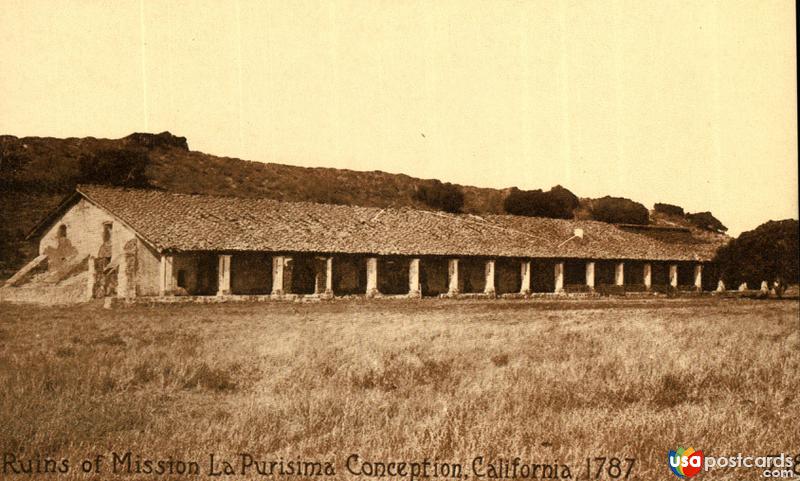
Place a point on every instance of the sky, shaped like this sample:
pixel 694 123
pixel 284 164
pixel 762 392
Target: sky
pixel 689 103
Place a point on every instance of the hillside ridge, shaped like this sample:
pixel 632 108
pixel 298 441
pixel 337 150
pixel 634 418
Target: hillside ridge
pixel 37 172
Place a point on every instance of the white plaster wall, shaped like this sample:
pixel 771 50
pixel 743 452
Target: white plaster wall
pixel 84 224
pixel 147 270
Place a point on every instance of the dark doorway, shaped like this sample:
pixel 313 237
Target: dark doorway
pixel 393 275
pixel 433 276
pixel 349 275
pixel 303 274
pixel 508 276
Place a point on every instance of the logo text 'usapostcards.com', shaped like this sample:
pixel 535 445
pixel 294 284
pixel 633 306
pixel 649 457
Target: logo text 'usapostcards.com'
pixel 685 463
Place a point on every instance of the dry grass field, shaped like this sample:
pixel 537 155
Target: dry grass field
pixel 550 382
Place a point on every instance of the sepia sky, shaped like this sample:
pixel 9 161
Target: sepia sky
pixel 691 103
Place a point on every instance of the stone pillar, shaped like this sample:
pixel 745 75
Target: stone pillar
pixel 288 274
pixel 166 276
pixel 489 287
pixel 277 275
pixel 619 274
pixel 90 280
pixel 525 275
pixel 648 276
pixel 559 275
pixel 590 275
pixel 329 276
pixel 126 272
pixel 452 276
pixel 372 277
pixel 698 277
pixel 224 271
pixel 673 275
pixel 720 286
pixel 414 289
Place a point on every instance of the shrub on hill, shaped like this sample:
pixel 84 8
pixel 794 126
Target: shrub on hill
pixel 763 254
pixel 558 203
pixel 121 167
pixel 618 210
pixel 440 195
pixel 705 220
pixel 668 209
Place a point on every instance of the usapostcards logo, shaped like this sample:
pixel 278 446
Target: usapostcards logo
pixel 685 463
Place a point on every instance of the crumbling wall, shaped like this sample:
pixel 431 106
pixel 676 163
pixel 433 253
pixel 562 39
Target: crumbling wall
pixel 83 224
pixel 126 272
pixel 60 253
pixel 433 276
pixel 35 267
pixel 72 290
pixel 393 275
pixel 147 270
pixel 78 234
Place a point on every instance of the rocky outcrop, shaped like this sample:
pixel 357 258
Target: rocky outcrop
pixel 152 141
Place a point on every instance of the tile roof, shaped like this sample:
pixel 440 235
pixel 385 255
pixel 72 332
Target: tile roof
pixel 181 222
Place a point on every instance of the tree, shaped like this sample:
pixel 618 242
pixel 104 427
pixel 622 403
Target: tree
pixel 563 202
pixel 618 210
pixel 705 220
pixel 558 203
pixel 121 167
pixel 441 196
pixel 765 253
pixel 669 209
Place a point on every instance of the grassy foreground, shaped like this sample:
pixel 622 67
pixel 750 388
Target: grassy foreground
pixel 550 382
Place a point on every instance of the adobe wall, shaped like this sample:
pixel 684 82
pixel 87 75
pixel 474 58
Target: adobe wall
pixel 84 224
pixel 79 233
pixel 148 268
